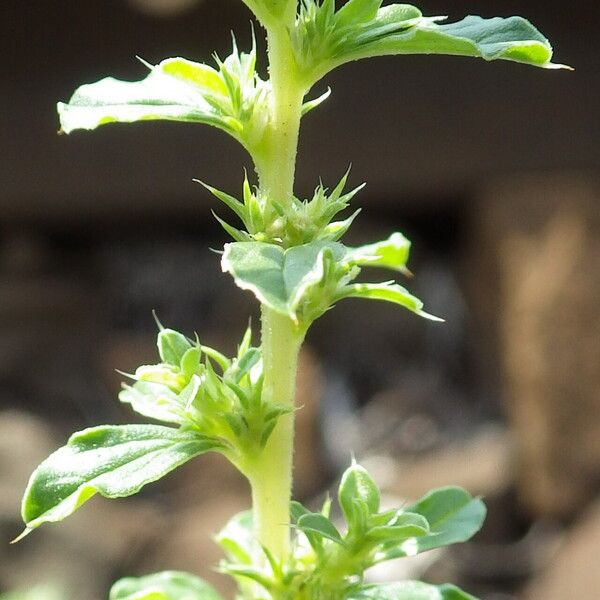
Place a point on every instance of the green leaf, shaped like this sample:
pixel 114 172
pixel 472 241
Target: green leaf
pixel 512 38
pixel 297 510
pixel 114 461
pixel 325 39
pixel 453 515
pixel 157 97
pixel 231 97
pixel 238 540
pixel 319 524
pixel 172 346
pixel 410 590
pixel 279 278
pixel 356 484
pixel 310 104
pixel 168 585
pixel 407 525
pixel 258 267
pixel 391 253
pixel 388 291
pixel 155 401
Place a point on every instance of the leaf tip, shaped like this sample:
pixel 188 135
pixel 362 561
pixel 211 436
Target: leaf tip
pixel 145 62
pixel 558 66
pixel 430 317
pixel 22 535
pixel 157 320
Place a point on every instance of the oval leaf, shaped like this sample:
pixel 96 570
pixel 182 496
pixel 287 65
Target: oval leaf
pixel 114 461
pixel 169 585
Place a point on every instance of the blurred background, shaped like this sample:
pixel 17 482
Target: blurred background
pixel 491 170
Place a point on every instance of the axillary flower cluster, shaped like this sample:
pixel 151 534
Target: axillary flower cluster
pixel 288 252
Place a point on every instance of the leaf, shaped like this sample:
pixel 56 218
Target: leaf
pixel 172 346
pixel 112 460
pixel 391 253
pixel 232 97
pixel 238 540
pixel 278 278
pixel 453 515
pixel 297 510
pixel 324 39
pixel 155 401
pixel 388 291
pixel 512 38
pixel 168 585
pixel 406 526
pixel 316 523
pixel 258 267
pixel 356 484
pixel 410 590
pixel 157 97
pixel 310 104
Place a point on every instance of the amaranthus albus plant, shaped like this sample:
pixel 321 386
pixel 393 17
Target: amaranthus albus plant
pixel 286 250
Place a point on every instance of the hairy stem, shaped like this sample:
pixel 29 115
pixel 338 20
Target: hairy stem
pixel 271 477
pixel 271 474
pixel 276 160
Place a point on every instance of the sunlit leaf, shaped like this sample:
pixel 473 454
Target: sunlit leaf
pixel 231 97
pixel 325 38
pixel 389 292
pixel 278 278
pixel 114 461
pixel 391 253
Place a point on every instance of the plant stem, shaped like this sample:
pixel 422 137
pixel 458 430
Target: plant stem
pixel 271 477
pixel 271 473
pixel 276 162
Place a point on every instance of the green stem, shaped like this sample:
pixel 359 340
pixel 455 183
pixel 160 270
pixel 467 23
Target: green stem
pixel 271 472
pixel 276 160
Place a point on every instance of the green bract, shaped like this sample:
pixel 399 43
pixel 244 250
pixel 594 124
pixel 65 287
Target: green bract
pixel 300 222
pixel 288 252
